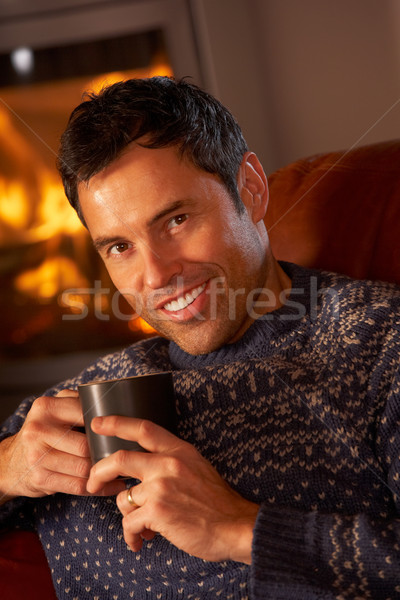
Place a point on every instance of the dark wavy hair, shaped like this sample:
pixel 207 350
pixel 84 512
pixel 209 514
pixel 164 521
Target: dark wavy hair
pixel 168 113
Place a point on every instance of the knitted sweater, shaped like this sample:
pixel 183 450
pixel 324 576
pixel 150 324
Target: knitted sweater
pixel 301 416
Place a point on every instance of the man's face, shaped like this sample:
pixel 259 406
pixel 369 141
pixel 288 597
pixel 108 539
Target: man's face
pixel 175 246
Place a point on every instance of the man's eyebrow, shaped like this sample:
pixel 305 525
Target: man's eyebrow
pixel 166 211
pixel 102 242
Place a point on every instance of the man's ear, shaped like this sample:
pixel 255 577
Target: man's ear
pixel 253 186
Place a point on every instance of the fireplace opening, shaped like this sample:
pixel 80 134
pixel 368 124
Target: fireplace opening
pixel 56 296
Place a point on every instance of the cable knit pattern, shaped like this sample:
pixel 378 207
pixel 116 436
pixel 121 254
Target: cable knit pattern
pixel 301 416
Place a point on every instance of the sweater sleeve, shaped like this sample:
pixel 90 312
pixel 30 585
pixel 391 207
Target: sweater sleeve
pixel 16 513
pixel 341 556
pixel 312 555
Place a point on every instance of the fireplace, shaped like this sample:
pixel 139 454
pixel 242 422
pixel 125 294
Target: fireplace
pixel 56 295
pixel 56 299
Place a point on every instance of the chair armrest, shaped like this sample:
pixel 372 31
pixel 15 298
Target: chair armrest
pixel 24 571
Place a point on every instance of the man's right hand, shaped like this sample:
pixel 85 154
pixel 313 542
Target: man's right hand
pixel 48 454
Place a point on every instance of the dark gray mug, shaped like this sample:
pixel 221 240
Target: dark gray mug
pixel 146 397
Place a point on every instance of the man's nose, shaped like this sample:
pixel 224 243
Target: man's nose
pixel 159 267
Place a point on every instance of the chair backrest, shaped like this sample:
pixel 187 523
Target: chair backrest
pixel 340 211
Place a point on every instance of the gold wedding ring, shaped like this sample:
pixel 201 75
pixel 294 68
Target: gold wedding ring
pixel 131 500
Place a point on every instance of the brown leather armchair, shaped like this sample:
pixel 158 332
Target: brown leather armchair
pixel 338 211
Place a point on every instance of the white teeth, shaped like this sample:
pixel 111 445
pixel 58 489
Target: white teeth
pixel 184 301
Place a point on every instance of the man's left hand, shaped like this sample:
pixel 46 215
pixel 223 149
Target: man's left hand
pixel 180 494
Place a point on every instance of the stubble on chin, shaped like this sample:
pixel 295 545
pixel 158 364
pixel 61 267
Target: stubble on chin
pixel 200 337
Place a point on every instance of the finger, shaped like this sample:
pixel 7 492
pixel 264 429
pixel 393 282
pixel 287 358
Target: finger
pixel 69 484
pixel 150 436
pixel 67 392
pixel 68 441
pixel 133 540
pixel 45 481
pixel 123 463
pixel 76 486
pixel 50 482
pixel 111 488
pixel 64 463
pixel 63 409
pixel 135 531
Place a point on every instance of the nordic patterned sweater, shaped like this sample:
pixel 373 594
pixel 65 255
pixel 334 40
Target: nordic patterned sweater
pixel 302 416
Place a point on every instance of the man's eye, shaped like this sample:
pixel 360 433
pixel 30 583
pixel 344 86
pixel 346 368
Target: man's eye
pixel 176 221
pixel 119 248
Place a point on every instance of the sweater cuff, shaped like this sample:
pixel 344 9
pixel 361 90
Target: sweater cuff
pixel 285 553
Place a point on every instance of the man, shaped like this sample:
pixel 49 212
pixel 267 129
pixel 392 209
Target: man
pixel 284 480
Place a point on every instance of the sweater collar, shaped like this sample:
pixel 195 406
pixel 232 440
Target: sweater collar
pixel 263 329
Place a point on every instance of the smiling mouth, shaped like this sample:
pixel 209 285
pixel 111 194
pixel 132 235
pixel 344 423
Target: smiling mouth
pixel 185 300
